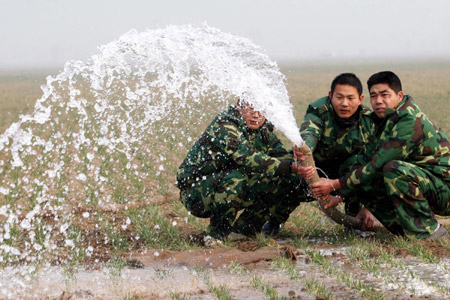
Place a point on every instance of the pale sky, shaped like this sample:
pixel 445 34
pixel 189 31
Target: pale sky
pixel 36 33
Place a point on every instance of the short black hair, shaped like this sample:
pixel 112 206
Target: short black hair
pixel 386 77
pixel 347 79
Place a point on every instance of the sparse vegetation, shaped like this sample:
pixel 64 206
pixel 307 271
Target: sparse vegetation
pixel 144 213
pixel 268 291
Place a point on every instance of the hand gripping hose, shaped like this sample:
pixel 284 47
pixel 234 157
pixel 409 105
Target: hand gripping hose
pixel 333 213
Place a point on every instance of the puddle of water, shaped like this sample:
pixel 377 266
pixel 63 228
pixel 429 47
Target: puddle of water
pixel 430 273
pixel 150 283
pixel 161 281
pixel 333 251
pixel 417 278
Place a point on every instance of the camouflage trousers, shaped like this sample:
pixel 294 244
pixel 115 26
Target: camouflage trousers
pixel 409 199
pixel 222 195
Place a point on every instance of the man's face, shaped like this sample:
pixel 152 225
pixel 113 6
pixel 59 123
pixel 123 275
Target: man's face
pixel 383 97
pixel 253 119
pixel 345 100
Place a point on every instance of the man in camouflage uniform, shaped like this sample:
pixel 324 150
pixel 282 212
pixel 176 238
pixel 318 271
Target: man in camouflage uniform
pixel 409 156
pixel 336 128
pixel 239 164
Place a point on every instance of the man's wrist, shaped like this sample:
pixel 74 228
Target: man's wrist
pixel 293 166
pixel 336 184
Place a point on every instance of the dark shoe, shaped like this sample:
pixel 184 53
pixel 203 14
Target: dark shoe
pixel 218 232
pixel 440 233
pixel 235 237
pixel 271 229
pixel 214 239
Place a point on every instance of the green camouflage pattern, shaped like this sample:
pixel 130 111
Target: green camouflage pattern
pixel 334 143
pixel 406 166
pixel 222 195
pixel 232 168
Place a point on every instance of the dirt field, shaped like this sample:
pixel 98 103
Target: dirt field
pixel 331 264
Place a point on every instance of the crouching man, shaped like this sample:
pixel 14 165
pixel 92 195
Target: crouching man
pixel 404 175
pixel 238 163
pixel 336 128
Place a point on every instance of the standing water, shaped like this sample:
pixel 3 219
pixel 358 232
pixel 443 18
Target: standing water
pixel 106 130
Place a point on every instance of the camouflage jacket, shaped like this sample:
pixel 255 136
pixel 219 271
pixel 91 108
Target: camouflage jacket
pixel 333 140
pixel 229 144
pixel 405 134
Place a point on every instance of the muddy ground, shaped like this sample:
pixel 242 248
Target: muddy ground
pixel 195 274
pixel 243 270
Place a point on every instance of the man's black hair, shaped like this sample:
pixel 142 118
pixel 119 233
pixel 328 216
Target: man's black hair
pixel 347 79
pixel 386 77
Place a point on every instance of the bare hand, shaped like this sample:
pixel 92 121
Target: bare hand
pixel 324 187
pixel 368 219
pixel 333 201
pixel 298 154
pixel 306 172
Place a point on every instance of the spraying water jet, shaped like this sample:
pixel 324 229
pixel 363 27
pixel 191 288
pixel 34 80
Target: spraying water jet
pixel 106 130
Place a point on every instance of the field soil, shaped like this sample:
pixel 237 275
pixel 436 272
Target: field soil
pixel 201 272
pixel 193 274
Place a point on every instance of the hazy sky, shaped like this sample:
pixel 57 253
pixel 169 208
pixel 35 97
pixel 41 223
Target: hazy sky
pixel 50 32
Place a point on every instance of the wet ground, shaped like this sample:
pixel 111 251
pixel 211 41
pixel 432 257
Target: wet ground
pixel 246 271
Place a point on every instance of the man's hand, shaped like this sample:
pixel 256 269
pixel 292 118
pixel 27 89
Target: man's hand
pixel 299 155
pixel 306 172
pixel 324 187
pixel 333 201
pixel 368 219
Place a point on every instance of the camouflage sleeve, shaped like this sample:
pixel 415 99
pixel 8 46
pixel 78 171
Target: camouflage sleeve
pixel 277 149
pixel 404 136
pixel 311 128
pixel 230 140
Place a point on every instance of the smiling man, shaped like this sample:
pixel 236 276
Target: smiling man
pixel 237 164
pixel 336 128
pixel 405 168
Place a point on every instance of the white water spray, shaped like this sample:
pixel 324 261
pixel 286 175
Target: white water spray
pixel 107 129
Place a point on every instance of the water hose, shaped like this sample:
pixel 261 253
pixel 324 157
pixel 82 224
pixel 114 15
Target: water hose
pixel 333 213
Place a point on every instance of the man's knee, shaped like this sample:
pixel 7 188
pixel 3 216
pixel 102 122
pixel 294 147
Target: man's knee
pixel 290 185
pixel 233 181
pixel 391 167
pixel 196 203
pixel 399 168
pixel 397 177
